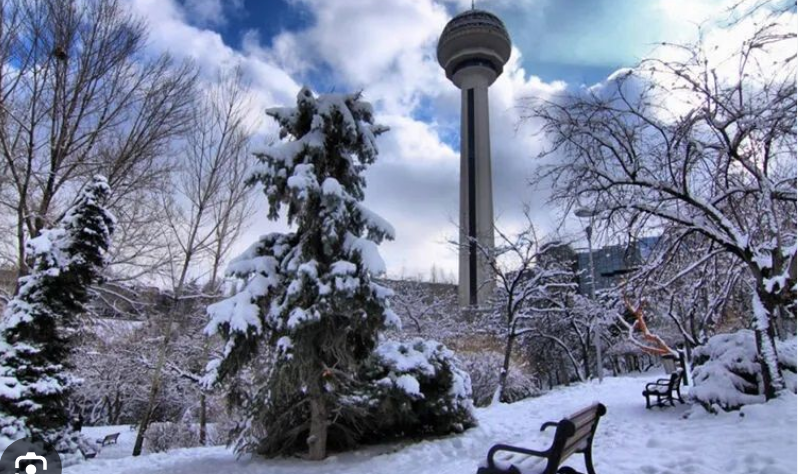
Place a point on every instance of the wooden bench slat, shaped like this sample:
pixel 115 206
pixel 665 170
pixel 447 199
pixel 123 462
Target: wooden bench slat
pixel 579 437
pixel 586 419
pixel 577 443
pixel 585 411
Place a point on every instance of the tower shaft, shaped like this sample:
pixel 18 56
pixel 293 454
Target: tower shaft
pixel 476 191
pixel 473 49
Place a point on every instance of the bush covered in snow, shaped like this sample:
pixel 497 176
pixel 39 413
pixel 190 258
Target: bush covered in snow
pixel 418 389
pixel 786 351
pixel 38 328
pixel 727 371
pixel 484 367
pixel 162 437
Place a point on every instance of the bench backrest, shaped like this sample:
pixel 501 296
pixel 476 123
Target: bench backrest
pixel 574 434
pixel 675 380
pixel 669 364
pixel 111 437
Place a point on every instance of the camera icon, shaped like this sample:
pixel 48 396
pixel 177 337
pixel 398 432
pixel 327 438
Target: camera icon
pixel 30 468
pixel 29 456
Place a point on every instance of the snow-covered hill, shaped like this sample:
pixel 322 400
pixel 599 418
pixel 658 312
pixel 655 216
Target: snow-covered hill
pixel 630 439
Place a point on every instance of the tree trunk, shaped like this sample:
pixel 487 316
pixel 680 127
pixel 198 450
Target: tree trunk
pixel 586 358
pixel 764 307
pixel 203 420
pixel 203 414
pixel 154 389
pixel 508 350
pixel 317 438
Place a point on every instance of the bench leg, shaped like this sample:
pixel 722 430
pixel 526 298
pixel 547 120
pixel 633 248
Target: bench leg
pixel 589 458
pixel 679 394
pixel 488 470
pixel 648 402
pixel 567 470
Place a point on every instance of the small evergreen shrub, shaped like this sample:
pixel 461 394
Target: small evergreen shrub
pixel 786 351
pixel 727 373
pixel 418 390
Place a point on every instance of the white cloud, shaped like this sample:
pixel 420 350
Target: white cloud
pixel 209 12
pixel 387 48
pixel 170 31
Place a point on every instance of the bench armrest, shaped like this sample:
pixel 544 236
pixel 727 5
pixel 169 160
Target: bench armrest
pixel 513 449
pixel 547 425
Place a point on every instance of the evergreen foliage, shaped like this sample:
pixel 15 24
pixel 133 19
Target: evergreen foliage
pixel 727 371
pixel 418 389
pixel 309 295
pixel 39 325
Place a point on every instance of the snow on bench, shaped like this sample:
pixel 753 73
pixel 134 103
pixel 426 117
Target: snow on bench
pixel 574 435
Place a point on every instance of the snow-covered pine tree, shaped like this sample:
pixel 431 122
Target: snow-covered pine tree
pixel 39 325
pixel 309 294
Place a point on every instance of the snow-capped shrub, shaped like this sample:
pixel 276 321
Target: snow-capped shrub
pixel 162 437
pixel 219 433
pixel 418 389
pixel 786 352
pixel 727 372
pixel 484 368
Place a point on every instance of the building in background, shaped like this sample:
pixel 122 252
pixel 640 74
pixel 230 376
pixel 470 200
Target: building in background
pixel 612 262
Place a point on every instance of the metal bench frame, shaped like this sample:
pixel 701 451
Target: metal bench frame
pixel 574 435
pixel 664 389
pixel 109 439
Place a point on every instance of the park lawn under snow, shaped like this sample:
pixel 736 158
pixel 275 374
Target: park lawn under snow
pixel 630 439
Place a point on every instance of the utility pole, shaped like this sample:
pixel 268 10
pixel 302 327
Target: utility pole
pixel 597 337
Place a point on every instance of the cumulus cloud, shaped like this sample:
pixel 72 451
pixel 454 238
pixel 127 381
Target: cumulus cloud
pixel 171 31
pixel 387 49
pixel 211 12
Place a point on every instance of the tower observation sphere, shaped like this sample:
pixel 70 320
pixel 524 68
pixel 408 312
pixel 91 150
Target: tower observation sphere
pixel 473 49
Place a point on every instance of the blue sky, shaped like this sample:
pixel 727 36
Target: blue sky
pixel 576 41
pixel 387 49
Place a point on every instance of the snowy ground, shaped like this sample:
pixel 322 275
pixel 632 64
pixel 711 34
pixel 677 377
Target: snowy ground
pixel 630 439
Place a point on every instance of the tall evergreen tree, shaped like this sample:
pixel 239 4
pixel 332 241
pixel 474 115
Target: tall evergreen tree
pixel 39 325
pixel 309 293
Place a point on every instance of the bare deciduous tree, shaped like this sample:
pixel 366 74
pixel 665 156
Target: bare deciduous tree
pixel 207 211
pixel 702 142
pixel 77 98
pixel 527 284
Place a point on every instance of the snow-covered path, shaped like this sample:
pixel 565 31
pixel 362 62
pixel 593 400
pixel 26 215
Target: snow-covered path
pixel 630 439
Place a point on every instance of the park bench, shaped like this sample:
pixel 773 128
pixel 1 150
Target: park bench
pixel 664 389
pixel 574 435
pixel 109 439
pixel 88 454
